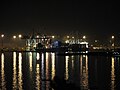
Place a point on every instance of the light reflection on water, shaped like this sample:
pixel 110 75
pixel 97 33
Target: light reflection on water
pixel 30 61
pixel 113 74
pixel 37 77
pixel 3 82
pixel 32 71
pixel 38 56
pixel 43 66
pixel 20 79
pixel 53 65
pixel 84 72
pixel 14 71
pixel 17 71
pixel 66 68
pixel 47 66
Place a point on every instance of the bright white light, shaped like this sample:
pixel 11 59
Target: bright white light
pixel 67 41
pixel 85 43
pixel 53 36
pixel 29 44
pixel 113 37
pixel 84 37
pixel 37 36
pixel 42 39
pixel 14 37
pixel 2 35
pixel 38 56
pixel 19 35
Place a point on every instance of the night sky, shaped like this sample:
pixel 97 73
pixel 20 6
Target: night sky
pixel 90 18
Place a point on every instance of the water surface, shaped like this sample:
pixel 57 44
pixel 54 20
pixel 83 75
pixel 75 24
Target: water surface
pixel 32 71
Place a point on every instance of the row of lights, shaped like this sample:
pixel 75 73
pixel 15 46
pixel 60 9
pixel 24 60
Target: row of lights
pixel 84 37
pixel 20 36
pixel 2 35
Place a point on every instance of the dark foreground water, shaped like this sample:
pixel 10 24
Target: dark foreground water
pixel 32 71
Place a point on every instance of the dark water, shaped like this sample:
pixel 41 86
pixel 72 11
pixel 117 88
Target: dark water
pixel 32 71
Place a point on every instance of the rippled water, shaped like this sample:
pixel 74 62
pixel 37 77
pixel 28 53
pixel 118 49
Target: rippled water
pixel 32 71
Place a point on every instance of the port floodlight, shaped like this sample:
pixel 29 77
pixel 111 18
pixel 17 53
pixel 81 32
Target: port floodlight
pixel 19 35
pixel 2 35
pixel 113 37
pixel 14 37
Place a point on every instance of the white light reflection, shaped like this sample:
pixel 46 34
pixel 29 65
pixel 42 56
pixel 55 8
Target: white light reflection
pixel 3 83
pixel 37 77
pixel 14 71
pixel 47 70
pixel 53 65
pixel 42 66
pixel 38 56
pixel 20 81
pixel 84 72
pixel 47 66
pixel 113 74
pixel 30 61
pixel 72 62
pixel 66 68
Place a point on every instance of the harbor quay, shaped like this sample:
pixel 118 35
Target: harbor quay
pixel 52 43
